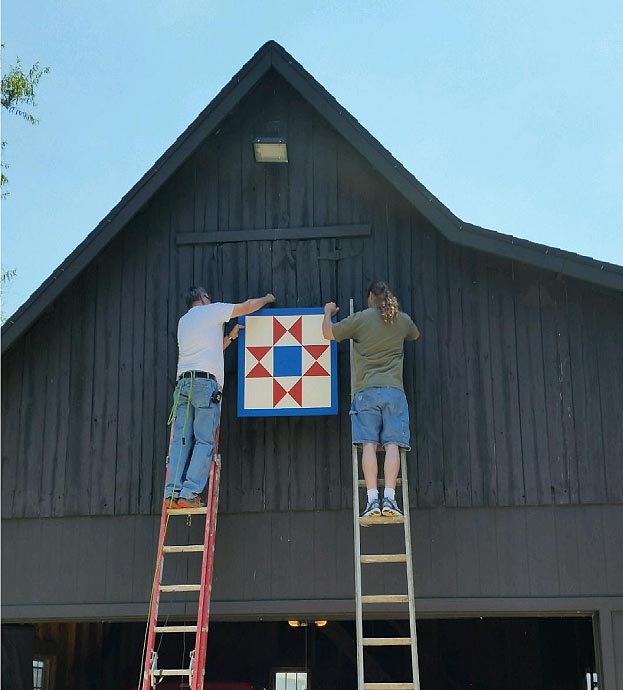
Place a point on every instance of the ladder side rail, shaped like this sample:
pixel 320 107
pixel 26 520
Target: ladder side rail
pixel 410 585
pixel 155 594
pixel 207 568
pixel 155 601
pixel 357 535
pixel 358 602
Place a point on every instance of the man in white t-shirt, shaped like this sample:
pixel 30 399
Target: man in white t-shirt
pixel 196 400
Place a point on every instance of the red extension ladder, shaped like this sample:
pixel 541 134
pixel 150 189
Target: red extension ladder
pixel 196 666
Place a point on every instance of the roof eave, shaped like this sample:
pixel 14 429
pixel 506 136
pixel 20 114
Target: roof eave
pixel 451 226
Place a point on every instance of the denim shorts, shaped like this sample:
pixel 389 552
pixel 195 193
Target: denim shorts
pixel 381 416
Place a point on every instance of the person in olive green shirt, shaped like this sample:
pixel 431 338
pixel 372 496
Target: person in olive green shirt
pixel 379 411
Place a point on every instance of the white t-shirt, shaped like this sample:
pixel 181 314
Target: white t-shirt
pixel 200 339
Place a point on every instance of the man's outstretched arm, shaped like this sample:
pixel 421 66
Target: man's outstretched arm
pixel 251 305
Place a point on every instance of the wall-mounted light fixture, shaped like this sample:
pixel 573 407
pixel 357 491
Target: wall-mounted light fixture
pixel 304 624
pixel 270 150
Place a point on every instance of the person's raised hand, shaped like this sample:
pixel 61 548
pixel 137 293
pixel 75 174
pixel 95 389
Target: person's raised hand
pixel 331 308
pixel 269 298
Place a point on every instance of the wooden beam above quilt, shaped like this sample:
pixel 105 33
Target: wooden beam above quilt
pixel 272 234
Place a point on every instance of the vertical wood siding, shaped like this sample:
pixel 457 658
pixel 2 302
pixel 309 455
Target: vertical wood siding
pixel 550 556
pixel 514 388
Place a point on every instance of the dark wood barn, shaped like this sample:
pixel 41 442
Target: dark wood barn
pixel 515 388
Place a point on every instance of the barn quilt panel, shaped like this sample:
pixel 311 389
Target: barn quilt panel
pixel 285 366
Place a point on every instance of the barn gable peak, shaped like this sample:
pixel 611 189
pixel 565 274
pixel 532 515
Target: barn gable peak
pixel 272 56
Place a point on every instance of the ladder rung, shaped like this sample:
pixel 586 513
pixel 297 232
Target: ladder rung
pixel 384 598
pixel 176 628
pixel 384 558
pixel 381 520
pixel 388 686
pixel 380 482
pixel 180 588
pixel 386 641
pixel 160 673
pixel 188 548
pixel 187 511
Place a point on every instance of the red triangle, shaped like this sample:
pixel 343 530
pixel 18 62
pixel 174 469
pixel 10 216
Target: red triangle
pixel 297 392
pixel 258 352
pixel 316 350
pixel 316 370
pixel 278 330
pixel 278 392
pixel 259 372
pixel 297 329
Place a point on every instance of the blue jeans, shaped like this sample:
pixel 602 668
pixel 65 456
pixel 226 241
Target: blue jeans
pixel 193 430
pixel 380 415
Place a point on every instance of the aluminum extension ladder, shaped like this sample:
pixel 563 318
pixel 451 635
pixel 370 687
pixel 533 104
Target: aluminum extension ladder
pixel 194 673
pixel 379 560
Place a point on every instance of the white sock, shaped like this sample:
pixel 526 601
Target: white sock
pixel 390 493
pixel 373 494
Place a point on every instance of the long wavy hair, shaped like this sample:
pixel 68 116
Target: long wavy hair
pixel 384 300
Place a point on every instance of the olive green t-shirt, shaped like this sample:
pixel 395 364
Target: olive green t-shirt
pixel 378 348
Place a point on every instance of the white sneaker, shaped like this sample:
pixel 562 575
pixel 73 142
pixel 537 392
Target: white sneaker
pixel 373 509
pixel 390 508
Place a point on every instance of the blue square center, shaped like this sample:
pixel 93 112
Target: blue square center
pixel 287 360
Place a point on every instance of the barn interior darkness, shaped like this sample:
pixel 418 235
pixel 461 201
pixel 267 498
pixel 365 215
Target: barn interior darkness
pixel 527 653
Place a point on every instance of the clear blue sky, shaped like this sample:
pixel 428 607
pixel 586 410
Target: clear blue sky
pixel 509 112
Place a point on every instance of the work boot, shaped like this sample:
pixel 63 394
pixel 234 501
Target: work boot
pixel 192 502
pixel 170 502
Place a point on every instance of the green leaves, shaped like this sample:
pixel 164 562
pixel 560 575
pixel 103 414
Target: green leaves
pixel 18 89
pixel 5 277
pixel 18 92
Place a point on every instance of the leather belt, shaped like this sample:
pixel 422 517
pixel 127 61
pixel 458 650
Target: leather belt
pixel 196 375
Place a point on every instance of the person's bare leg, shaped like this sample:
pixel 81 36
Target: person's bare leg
pixel 392 465
pixel 369 465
